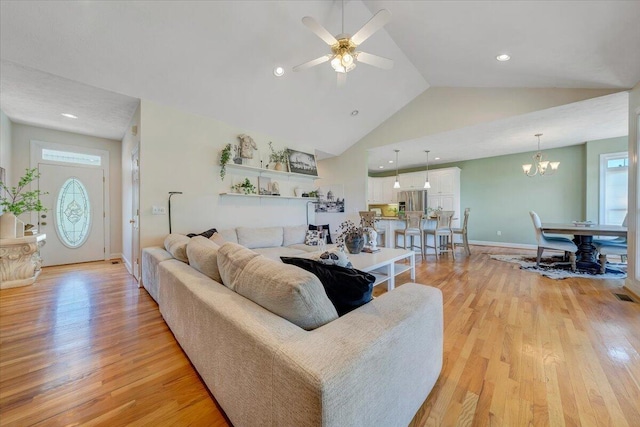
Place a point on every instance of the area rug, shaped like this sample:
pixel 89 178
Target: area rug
pixel 549 267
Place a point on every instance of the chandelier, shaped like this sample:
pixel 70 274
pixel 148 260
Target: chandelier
pixel 540 166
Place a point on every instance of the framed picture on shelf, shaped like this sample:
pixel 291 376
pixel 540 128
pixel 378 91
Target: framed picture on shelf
pixel 303 163
pixel 264 186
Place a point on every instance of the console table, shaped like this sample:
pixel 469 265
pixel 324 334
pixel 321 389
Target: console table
pixel 20 260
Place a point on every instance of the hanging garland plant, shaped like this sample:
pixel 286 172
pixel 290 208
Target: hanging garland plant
pixel 224 159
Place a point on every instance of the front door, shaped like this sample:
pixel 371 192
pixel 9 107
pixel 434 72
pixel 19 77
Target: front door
pixel 74 221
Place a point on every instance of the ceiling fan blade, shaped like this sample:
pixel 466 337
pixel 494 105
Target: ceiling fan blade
pixel 375 60
pixel 342 79
pixel 312 63
pixel 378 21
pixel 319 30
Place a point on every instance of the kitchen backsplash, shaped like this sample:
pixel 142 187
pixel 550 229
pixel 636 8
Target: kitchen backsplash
pixel 390 209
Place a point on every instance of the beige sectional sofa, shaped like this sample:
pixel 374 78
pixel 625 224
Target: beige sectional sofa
pixel 374 366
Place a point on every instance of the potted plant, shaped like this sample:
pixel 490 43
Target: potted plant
pixel 351 236
pixel 278 157
pixel 245 187
pixel 225 156
pixel 16 201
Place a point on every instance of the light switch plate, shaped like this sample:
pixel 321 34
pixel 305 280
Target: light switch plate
pixel 159 210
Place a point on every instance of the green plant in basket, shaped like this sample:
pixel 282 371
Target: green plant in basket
pixel 245 187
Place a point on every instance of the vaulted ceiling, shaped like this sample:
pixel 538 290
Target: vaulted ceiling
pixel 216 58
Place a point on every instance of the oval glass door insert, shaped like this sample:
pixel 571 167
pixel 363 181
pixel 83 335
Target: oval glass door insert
pixel 73 213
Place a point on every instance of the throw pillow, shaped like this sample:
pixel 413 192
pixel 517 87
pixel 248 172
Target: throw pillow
pixel 176 245
pixel 285 290
pixel 347 288
pixel 333 257
pixel 326 229
pixel 210 232
pixel 217 239
pixel 313 237
pixel 203 256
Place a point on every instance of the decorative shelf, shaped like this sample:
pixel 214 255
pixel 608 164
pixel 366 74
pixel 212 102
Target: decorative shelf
pixel 268 172
pixel 264 196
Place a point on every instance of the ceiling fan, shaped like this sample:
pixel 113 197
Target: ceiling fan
pixel 344 55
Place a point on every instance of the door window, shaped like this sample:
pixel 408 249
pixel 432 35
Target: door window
pixel 73 213
pixel 613 187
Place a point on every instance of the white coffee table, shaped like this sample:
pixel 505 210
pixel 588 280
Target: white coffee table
pixel 385 264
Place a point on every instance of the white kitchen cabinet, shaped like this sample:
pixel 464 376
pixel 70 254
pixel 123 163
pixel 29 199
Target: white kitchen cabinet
pixel 381 191
pixel 445 191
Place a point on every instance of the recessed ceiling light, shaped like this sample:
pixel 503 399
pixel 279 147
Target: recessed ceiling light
pixel 503 57
pixel 437 158
pixel 278 71
pixel 355 112
pixel 380 167
pixel 390 161
pixel 71 116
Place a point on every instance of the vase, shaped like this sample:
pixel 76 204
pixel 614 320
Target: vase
pixel 279 167
pixel 8 225
pixel 354 244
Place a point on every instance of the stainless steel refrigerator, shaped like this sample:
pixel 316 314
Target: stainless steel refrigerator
pixel 415 200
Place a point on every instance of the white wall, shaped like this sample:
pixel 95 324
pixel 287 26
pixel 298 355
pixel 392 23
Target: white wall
pixel 633 273
pixel 5 146
pixel 438 110
pixel 23 134
pixel 129 142
pixel 180 152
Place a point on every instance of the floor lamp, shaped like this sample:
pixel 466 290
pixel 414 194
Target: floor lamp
pixel 171 193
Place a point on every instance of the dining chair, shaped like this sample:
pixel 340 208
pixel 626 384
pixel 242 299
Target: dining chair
pixel 412 229
pixel 368 220
pixel 463 231
pixel 555 243
pixel 618 240
pixel 605 248
pixel 442 234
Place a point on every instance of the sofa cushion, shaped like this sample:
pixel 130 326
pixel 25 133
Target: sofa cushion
pixel 288 291
pixel 294 235
pixel 217 239
pixel 265 237
pixel 277 252
pixel 229 235
pixel 176 245
pixel 347 288
pixel 203 256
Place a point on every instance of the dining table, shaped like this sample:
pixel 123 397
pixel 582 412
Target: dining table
pixel 583 233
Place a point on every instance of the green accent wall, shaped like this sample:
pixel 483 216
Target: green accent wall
pixel 500 195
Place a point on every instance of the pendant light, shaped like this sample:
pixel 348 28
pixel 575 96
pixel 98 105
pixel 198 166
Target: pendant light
pixel 426 181
pixel 397 183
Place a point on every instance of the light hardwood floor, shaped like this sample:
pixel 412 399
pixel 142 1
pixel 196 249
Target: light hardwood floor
pixel 85 346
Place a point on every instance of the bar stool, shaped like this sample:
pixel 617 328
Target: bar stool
pixel 442 231
pixel 412 229
pixel 463 231
pixel 368 220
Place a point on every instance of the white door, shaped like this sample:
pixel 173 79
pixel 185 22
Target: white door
pixel 74 221
pixel 135 214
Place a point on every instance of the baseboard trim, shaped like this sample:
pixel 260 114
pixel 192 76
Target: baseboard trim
pixel 503 244
pixel 116 256
pixel 127 265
